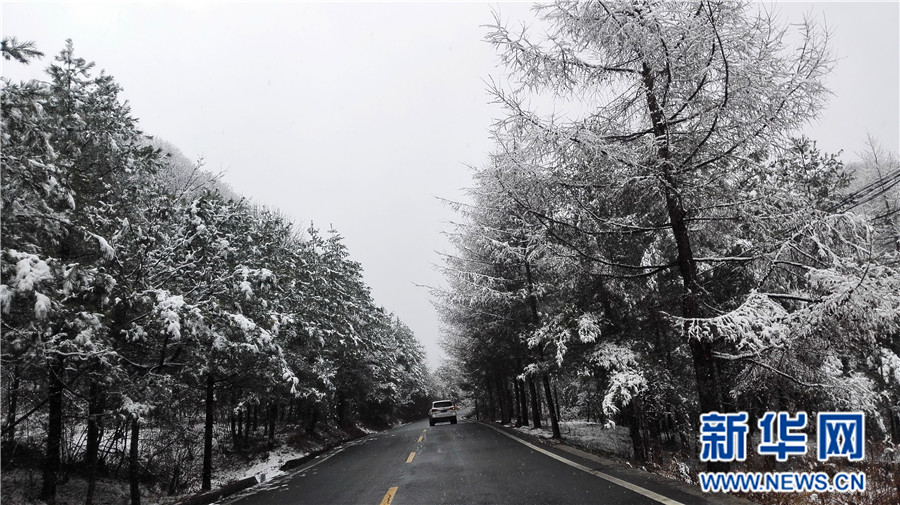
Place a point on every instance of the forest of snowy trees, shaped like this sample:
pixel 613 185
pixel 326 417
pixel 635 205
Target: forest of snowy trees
pixel 151 319
pixel 652 239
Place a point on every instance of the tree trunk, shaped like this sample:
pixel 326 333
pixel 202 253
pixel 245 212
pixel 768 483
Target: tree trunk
pixel 638 442
pixel 247 408
pixel 96 406
pixel 557 402
pixel 12 397
pixel 120 433
pixel 134 468
pixel 340 409
pixel 206 483
pixel 176 479
pixel 524 401
pixel 518 403
pixel 503 397
pixel 54 430
pixel 267 419
pixel 532 300
pixel 240 423
pixel 520 383
pixel 708 383
pixel 232 419
pixel 535 405
pixel 895 429
pixel 492 412
pixel 511 405
pixel 273 417
pixel 313 420
pixel 551 408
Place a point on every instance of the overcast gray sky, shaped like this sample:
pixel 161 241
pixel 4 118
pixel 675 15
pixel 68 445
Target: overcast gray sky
pixel 358 115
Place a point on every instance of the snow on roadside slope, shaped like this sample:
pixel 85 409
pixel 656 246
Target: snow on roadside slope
pixel 614 440
pixel 270 467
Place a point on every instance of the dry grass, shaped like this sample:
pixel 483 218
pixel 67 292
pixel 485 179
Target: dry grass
pixel 882 487
pixel 23 486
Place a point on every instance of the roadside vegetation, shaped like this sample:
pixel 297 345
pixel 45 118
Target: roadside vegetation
pixel 155 326
pixel 652 238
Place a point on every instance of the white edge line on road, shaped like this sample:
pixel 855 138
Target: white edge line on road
pixel 615 480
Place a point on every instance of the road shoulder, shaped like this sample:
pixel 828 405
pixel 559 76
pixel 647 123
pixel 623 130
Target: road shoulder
pixel 680 492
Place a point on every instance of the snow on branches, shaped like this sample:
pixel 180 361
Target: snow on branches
pixel 757 324
pixel 135 289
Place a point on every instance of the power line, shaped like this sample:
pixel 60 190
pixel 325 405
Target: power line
pixel 869 192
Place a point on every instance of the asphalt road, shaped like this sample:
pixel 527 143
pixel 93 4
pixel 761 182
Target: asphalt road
pixel 466 463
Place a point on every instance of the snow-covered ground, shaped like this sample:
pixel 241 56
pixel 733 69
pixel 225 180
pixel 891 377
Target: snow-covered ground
pixel 613 440
pixel 264 469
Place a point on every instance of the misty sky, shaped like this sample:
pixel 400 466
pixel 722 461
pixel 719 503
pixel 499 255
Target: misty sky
pixel 358 115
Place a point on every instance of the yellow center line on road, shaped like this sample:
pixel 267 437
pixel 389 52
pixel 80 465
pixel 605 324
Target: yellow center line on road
pixel 389 497
pixel 411 456
pixel 421 437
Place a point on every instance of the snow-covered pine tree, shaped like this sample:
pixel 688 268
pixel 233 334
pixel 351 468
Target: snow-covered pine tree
pixel 674 105
pixel 74 164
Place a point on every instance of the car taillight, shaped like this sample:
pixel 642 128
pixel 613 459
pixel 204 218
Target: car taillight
pixel 453 407
pixel 434 410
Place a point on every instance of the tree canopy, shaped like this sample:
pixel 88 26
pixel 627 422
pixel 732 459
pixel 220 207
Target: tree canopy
pixel 653 235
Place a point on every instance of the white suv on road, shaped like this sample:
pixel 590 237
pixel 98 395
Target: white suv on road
pixel 442 410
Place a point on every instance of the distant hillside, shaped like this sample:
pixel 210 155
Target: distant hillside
pixel 876 185
pixel 187 177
